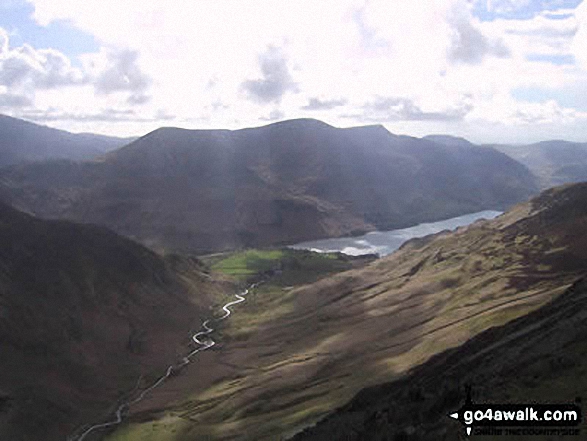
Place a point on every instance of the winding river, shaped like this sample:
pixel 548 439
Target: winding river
pixel 378 242
pixel 202 345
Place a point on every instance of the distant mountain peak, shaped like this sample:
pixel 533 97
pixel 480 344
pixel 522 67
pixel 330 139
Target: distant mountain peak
pixel 24 141
pixel 298 123
pixel 449 140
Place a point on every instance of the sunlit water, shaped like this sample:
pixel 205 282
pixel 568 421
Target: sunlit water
pixel 386 242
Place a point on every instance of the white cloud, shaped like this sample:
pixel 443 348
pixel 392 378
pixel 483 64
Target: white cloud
pixel 11 100
pixel 29 75
pixel 523 114
pixel 25 69
pixel 316 103
pixel 121 74
pixel 3 41
pixel 114 71
pixel 469 45
pixel 276 79
pixel 208 63
pixel 384 109
pixel 579 44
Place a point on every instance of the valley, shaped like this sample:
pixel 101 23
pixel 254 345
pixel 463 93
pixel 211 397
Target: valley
pixel 310 349
pixel 131 330
pixel 264 220
pixel 86 316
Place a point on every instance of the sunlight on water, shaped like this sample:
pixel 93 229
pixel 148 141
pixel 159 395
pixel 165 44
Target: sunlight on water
pixel 386 242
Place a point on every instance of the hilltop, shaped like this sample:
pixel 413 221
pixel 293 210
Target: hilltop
pixel 209 190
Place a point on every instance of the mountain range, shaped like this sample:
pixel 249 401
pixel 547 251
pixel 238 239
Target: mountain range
pixel 202 191
pixel 328 347
pixel 554 162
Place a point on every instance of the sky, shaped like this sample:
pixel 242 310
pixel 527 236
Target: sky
pixel 492 71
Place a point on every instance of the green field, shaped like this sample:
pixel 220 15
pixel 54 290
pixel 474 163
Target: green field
pixel 281 270
pixel 285 266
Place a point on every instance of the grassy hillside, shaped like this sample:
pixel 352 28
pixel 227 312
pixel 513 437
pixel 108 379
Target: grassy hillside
pixel 317 345
pixel 537 358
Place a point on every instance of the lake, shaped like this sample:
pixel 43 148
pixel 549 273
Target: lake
pixel 386 242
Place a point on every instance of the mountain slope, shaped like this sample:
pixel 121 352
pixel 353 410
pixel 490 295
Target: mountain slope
pixel 553 162
pixel 449 140
pixel 313 348
pixel 209 190
pixel 540 357
pixel 83 314
pixel 23 141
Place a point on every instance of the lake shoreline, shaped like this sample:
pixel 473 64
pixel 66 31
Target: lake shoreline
pixel 384 243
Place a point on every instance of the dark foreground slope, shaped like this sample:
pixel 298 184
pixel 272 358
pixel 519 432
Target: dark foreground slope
pixel 209 190
pixel 538 358
pixel 304 352
pixel 23 141
pixel 84 313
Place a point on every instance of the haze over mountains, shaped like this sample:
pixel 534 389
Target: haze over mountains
pixel 553 162
pixel 23 141
pixel 208 190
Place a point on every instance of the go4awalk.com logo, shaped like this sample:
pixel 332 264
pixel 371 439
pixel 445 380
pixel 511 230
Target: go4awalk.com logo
pixel 519 419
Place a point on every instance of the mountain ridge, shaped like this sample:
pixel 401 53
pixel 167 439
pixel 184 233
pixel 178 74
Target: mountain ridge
pixel 24 141
pixel 213 190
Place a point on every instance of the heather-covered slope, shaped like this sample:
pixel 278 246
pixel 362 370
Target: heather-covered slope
pixel 209 190
pixel 83 314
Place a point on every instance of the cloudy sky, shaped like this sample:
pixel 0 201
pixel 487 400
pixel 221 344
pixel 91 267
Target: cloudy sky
pixel 489 70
